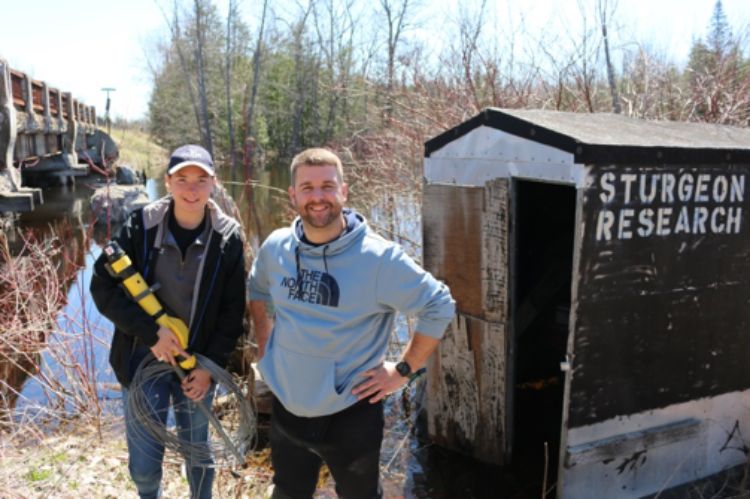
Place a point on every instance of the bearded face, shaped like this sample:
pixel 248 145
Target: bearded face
pixel 318 195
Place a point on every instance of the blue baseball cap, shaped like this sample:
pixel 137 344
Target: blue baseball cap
pixel 191 155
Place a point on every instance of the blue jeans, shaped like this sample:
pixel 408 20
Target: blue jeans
pixel 145 454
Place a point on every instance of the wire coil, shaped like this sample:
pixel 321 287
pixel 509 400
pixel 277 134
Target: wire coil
pixel 230 406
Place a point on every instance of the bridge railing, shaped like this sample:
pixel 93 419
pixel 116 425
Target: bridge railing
pixel 44 132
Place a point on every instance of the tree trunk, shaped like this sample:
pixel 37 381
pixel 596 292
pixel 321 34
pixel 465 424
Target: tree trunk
pixel 228 85
pixel 610 69
pixel 395 21
pixel 174 27
pixel 200 41
pixel 248 157
pixel 254 92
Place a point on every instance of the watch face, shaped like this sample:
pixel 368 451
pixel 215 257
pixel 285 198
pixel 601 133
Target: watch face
pixel 403 368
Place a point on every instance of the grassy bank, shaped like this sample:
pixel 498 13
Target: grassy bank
pixel 138 150
pixel 78 461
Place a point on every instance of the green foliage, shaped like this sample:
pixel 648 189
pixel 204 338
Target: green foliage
pixel 720 39
pixel 172 111
pixel 321 82
pixel 38 475
pixel 717 79
pixel 700 58
pixel 305 94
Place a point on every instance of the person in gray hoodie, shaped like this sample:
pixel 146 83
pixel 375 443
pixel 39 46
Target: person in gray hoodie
pixel 336 288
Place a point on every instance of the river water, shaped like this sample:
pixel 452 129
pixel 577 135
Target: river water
pixel 411 467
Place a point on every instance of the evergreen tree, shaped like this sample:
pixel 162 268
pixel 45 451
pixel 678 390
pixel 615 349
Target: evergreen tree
pixel 719 32
pixel 717 75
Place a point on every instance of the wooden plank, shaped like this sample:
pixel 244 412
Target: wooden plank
pixel 17 82
pixel 452 221
pixel 495 250
pixel 466 386
pixel 466 234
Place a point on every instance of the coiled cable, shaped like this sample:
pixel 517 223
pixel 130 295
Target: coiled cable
pixel 232 425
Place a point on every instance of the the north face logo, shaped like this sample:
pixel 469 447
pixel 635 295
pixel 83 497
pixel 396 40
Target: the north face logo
pixel 314 287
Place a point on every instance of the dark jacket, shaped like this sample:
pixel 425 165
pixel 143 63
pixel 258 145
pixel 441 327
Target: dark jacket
pixel 219 310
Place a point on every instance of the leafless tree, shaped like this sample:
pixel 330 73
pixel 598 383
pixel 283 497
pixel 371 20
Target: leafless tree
pixel 250 114
pixel 470 27
pixel 396 15
pixel 306 78
pixel 603 9
pixel 249 140
pixel 176 33
pixel 200 8
pixel 228 65
pixel 335 27
pixel 651 85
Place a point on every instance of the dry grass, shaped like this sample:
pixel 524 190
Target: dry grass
pixel 30 296
pixel 138 150
pixel 77 461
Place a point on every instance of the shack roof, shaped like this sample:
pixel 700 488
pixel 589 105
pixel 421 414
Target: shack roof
pixel 595 138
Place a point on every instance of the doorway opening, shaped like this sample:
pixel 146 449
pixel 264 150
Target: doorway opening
pixel 543 228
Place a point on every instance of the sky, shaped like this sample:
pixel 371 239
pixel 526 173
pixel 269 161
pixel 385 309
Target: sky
pixel 82 46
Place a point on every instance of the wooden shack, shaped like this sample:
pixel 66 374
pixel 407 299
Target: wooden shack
pixel 601 268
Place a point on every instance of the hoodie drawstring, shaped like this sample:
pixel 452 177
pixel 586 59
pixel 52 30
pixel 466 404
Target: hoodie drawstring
pixel 299 267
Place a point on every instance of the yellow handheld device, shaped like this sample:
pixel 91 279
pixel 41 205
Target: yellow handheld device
pixel 120 267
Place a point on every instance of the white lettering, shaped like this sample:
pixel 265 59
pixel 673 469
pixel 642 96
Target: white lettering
pixel 699 220
pixel 717 227
pixel 648 197
pixel 662 221
pixel 667 188
pixel 738 189
pixel 721 188
pixel 607 184
pixel 701 189
pixel 683 221
pixel 688 202
pixel 646 219
pixel 685 187
pixel 604 225
pixel 628 179
pixel 625 216
pixel 733 220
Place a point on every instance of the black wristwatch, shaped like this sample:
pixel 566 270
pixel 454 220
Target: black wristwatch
pixel 403 369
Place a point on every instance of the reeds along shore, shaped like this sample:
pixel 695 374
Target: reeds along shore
pixel 36 271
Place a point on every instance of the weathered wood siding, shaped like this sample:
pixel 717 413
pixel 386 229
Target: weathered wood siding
pixel 466 245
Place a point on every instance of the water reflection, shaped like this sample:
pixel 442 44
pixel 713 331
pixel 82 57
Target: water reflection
pixel 75 376
pixel 263 204
pixel 71 375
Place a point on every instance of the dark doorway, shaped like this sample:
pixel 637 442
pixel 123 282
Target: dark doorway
pixel 543 227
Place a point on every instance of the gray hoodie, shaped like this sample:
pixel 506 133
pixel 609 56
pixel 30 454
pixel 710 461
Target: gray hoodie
pixel 337 323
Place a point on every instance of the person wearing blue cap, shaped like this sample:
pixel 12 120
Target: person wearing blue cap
pixel 193 251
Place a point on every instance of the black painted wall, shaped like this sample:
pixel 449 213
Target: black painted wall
pixel 662 317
